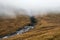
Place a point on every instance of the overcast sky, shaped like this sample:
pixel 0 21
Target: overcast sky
pixel 32 4
pixel 42 5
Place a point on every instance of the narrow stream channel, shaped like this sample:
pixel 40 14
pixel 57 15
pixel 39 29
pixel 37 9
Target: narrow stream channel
pixel 23 30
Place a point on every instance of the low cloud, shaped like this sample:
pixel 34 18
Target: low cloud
pixel 31 7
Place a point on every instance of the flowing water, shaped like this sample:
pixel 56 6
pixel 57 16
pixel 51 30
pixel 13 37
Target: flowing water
pixel 22 30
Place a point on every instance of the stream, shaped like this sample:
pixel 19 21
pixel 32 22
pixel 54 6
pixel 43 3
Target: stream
pixel 23 30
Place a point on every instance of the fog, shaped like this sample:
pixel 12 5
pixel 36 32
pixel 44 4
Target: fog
pixel 31 7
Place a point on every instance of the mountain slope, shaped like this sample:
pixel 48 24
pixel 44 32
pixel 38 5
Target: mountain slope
pixel 47 28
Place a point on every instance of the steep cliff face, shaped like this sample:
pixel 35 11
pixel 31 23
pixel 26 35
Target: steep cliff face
pixel 11 25
pixel 47 28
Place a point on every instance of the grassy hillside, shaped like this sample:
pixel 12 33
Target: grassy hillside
pixel 47 28
pixel 8 26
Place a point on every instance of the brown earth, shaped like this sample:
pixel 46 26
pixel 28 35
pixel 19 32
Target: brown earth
pixel 47 28
pixel 10 25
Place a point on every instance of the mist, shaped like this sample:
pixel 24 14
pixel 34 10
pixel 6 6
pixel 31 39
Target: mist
pixel 28 7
